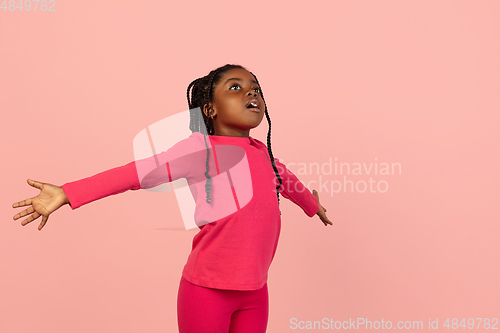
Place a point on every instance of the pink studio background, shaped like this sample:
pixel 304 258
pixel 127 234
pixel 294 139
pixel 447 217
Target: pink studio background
pixel 406 82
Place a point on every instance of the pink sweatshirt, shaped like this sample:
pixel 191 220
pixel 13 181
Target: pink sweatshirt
pixel 235 251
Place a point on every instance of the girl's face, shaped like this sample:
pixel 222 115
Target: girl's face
pixel 233 93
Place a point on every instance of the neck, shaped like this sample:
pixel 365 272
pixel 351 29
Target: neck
pixel 242 134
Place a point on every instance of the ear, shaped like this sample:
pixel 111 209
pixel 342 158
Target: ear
pixel 205 111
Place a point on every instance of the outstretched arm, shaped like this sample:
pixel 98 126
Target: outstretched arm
pixel 149 172
pixel 155 170
pixel 293 189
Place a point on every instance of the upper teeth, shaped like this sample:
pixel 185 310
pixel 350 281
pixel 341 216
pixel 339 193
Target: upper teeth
pixel 253 104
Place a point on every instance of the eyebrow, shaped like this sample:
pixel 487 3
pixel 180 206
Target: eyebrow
pixel 235 78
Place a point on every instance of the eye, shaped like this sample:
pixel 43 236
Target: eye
pixel 257 90
pixel 234 85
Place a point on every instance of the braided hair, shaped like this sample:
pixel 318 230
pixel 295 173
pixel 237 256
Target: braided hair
pixel 202 93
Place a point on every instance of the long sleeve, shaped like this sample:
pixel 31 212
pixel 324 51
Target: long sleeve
pixel 167 166
pixel 109 182
pixel 293 189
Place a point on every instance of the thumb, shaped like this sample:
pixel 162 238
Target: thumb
pixel 36 184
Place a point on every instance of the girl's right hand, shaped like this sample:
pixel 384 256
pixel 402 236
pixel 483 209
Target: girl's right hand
pixel 51 197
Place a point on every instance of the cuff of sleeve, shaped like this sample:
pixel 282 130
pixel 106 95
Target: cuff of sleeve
pixel 313 208
pixel 70 195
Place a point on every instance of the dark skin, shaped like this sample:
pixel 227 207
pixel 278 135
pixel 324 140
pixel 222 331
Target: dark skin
pixel 231 117
pixel 228 108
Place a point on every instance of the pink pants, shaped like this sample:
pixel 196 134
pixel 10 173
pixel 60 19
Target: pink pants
pixel 207 310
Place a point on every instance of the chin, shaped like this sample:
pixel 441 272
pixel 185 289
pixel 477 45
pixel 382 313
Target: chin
pixel 257 125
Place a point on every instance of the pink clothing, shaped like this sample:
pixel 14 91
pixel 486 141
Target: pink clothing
pixel 236 251
pixel 206 310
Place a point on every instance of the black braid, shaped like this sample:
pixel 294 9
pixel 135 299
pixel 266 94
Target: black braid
pixel 269 143
pixel 201 95
pixel 211 131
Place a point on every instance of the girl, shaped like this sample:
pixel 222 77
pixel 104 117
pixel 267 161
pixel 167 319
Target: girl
pixel 223 287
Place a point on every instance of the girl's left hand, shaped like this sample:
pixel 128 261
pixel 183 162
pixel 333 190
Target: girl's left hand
pixel 321 211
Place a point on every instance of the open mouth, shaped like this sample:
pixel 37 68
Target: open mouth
pixel 253 105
